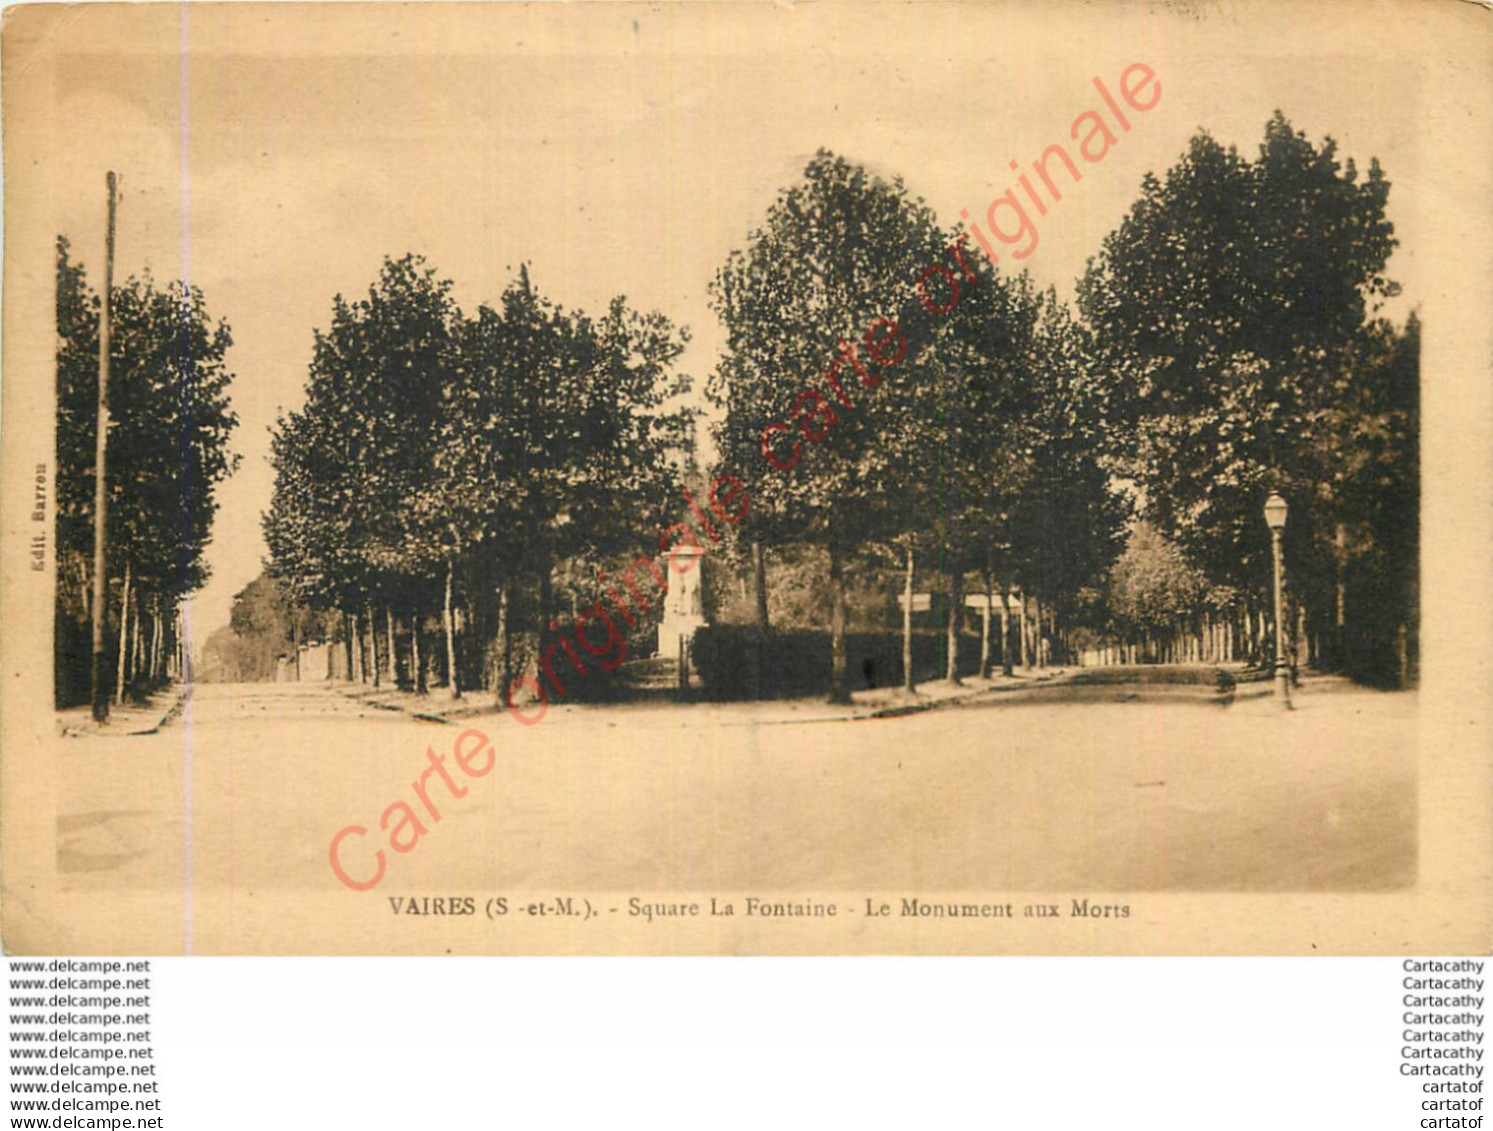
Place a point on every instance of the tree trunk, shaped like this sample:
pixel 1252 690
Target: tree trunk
pixel 393 650
pixel 839 683
pixel 502 658
pixel 167 640
pixel 956 600
pixel 417 661
pixel 360 653
pixel 138 673
pixel 985 655
pixel 1340 610
pixel 1300 655
pixel 1037 634
pixel 546 602
pixel 1007 667
pixel 295 643
pixel 138 637
pixel 153 665
pixel 1024 631
pixel 168 646
pixel 347 643
pixel 759 581
pixel 372 635
pixel 137 649
pixel 909 681
pixel 124 638
pixel 1402 654
pixel 450 625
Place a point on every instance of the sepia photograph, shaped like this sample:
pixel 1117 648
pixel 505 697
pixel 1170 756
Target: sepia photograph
pixel 744 479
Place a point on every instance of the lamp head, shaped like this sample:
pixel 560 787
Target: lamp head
pixel 1275 511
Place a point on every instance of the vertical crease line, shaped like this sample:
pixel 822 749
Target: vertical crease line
pixel 186 271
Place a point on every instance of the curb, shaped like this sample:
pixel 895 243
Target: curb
pixel 366 699
pixel 1026 691
pixel 176 709
pixel 181 692
pixel 974 694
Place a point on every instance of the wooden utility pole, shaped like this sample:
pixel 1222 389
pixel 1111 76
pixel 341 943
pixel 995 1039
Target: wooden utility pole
pixel 99 688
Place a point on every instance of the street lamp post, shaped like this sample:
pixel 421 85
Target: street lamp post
pixel 1275 518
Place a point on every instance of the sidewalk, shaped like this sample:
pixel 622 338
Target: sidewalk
pixel 882 702
pixel 129 719
pixel 437 706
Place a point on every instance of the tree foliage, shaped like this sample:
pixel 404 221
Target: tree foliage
pixel 974 451
pixel 1234 310
pixel 840 251
pixel 168 450
pixel 455 464
pixel 1226 304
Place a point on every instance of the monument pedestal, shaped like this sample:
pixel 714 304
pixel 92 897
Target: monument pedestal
pixel 684 605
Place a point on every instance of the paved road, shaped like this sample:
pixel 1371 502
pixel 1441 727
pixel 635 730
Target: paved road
pixel 1091 797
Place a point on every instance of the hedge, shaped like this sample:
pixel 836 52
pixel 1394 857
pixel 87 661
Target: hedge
pixel 743 662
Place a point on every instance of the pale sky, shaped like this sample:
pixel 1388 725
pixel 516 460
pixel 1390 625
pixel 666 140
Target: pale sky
pixel 617 148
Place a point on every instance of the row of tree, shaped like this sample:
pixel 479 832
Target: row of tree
pixel 265 628
pixel 1235 316
pixel 978 451
pixel 470 471
pixel 462 470
pixel 1228 344
pixel 169 428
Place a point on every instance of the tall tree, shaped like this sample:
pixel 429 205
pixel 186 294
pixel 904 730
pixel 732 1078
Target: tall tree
pixel 441 463
pixel 1228 306
pixel 1067 520
pixel 841 251
pixel 352 465
pixel 1370 443
pixel 967 457
pixel 168 452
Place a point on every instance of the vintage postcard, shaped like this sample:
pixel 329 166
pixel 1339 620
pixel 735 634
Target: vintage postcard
pixel 747 478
